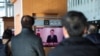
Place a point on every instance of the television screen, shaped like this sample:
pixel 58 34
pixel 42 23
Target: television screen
pixel 51 36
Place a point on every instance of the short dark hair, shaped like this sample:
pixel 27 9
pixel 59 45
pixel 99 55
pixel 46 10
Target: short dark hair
pixel 75 23
pixel 27 21
pixel 7 34
pixel 52 30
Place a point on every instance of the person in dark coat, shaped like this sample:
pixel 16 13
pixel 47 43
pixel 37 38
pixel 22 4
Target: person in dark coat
pixel 2 49
pixel 7 35
pixel 52 38
pixel 74 23
pixel 27 43
pixel 93 34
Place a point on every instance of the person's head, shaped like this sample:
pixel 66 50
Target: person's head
pixel 74 23
pixel 7 34
pixel 52 31
pixel 92 29
pixel 27 21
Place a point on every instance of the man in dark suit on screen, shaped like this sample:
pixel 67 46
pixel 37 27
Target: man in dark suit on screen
pixel 27 43
pixel 52 38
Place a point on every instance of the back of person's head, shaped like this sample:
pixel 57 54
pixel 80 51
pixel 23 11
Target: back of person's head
pixel 92 29
pixel 75 23
pixel 27 21
pixel 7 34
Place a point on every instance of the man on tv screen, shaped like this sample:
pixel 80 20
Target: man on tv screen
pixel 52 38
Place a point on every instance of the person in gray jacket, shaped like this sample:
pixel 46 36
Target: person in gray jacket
pixel 27 43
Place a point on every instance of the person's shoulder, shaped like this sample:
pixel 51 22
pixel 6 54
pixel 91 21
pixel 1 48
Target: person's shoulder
pixel 90 35
pixel 36 41
pixel 58 50
pixel 98 34
pixel 15 37
pixel 55 35
pixel 36 38
pixel 49 35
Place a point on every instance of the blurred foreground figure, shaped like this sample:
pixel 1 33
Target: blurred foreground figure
pixel 75 24
pixel 27 43
pixel 7 35
pixel 93 34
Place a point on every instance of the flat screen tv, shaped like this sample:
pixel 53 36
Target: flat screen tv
pixel 51 36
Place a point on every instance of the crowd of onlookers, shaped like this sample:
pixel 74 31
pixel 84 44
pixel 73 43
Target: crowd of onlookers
pixel 80 38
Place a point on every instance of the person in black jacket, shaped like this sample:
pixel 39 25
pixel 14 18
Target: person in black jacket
pixel 52 38
pixel 27 43
pixel 93 34
pixel 7 35
pixel 2 49
pixel 74 23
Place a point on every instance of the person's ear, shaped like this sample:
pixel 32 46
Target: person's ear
pixel 66 35
pixel 85 30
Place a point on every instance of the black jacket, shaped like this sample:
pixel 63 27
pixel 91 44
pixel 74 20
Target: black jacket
pixel 27 44
pixel 95 38
pixel 52 39
pixel 75 46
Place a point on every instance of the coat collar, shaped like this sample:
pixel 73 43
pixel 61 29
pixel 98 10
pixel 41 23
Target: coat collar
pixel 26 30
pixel 77 40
